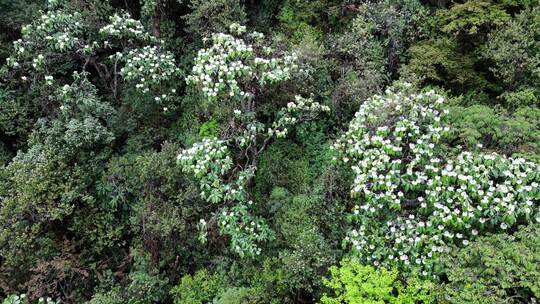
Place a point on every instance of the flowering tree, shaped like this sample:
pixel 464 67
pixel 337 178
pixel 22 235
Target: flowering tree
pixel 123 49
pixel 412 203
pixel 234 69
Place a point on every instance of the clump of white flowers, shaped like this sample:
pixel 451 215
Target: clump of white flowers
pixel 23 299
pixel 300 110
pixel 16 299
pixel 47 300
pixel 297 111
pixel 49 80
pixel 232 60
pixel 57 29
pixel 208 161
pixel 123 26
pixel 149 67
pixel 413 204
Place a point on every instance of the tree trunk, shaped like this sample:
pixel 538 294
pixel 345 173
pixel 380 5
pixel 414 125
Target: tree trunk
pixel 156 20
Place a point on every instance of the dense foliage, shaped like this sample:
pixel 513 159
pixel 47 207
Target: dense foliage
pixel 273 151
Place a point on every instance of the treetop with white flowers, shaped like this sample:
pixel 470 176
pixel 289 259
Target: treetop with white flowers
pixel 236 64
pixel 413 203
pixel 237 67
pixel 123 50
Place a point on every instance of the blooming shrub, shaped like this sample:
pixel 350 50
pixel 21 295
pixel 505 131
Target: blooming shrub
pixel 295 112
pixel 62 35
pixel 245 229
pixel 55 31
pixel 208 160
pixel 412 204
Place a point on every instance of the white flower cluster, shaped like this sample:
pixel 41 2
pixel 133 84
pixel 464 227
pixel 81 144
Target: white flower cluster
pixel 208 161
pixel 149 68
pixel 55 31
pixel 221 69
pixel 47 300
pixel 415 205
pixel 250 134
pixel 386 131
pixel 237 29
pixel 16 299
pixel 49 80
pixel 299 110
pixel 125 27
pixel 209 155
pixel 58 29
pixel 23 299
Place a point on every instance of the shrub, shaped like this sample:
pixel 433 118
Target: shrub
pixel 498 268
pixel 516 133
pixel 360 56
pixel 515 50
pixel 207 17
pixel 282 165
pixel 235 295
pixel 301 17
pixel 439 61
pixel 146 285
pixel 199 288
pixel 307 252
pixel 354 283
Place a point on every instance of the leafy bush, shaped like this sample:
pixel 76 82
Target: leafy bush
pixel 517 133
pixel 207 17
pixel 82 123
pixel 39 188
pixel 281 165
pixel 362 55
pixel 235 295
pixel 515 50
pixel 498 268
pixel 15 118
pixel 200 288
pixel 354 283
pixel 439 61
pixel 110 297
pixel 300 18
pixel 146 285
pixel 307 251
pixel 152 200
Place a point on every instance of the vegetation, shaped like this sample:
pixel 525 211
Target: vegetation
pixel 265 152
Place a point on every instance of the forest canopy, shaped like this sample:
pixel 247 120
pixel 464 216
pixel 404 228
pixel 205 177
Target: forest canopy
pixel 271 151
